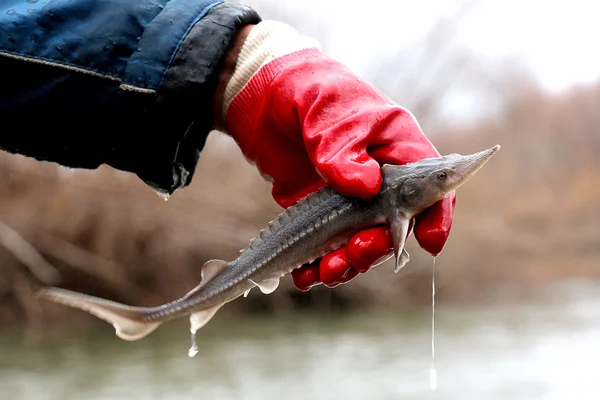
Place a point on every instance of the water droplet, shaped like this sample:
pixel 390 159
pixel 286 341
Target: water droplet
pixel 194 347
pixel 193 350
pixel 164 195
pixel 190 46
pixel 432 378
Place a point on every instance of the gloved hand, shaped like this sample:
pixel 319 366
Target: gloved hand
pixel 307 121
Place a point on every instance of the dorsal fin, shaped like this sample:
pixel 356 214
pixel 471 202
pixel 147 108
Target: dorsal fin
pixel 210 270
pixel 288 216
pixel 274 225
pixel 313 198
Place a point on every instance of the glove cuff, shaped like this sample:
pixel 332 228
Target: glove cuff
pixel 270 47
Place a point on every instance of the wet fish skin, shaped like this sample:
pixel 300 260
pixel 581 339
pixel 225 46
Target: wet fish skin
pixel 315 226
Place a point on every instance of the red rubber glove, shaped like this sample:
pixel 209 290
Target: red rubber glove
pixel 307 121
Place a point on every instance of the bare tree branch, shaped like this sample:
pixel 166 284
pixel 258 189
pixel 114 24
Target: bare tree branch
pixel 110 272
pixel 28 255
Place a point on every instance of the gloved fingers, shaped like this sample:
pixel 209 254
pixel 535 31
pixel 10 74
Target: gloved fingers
pixel 339 154
pixel 306 276
pixel 352 172
pixel 432 226
pixel 347 277
pixel 332 270
pixel 348 155
pixel 369 248
pixel 365 250
pixel 335 268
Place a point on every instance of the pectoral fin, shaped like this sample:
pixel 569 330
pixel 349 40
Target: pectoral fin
pixel 267 286
pixel 197 321
pixel 404 259
pixel 399 226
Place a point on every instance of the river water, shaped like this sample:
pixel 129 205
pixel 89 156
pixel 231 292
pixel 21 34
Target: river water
pixel 545 346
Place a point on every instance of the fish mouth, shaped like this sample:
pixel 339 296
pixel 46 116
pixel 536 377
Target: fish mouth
pixel 468 165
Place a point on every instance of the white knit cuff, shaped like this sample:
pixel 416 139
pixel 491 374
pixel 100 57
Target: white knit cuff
pixel 267 41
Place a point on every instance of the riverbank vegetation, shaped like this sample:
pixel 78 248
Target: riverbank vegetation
pixel 531 216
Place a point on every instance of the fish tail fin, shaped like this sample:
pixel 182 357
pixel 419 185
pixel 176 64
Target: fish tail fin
pixel 129 322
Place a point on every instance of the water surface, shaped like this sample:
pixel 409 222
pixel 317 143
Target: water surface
pixel 545 347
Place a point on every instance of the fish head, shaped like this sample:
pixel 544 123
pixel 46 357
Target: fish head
pixel 428 181
pixel 417 186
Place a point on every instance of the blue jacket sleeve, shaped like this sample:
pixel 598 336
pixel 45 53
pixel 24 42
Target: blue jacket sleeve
pixel 128 83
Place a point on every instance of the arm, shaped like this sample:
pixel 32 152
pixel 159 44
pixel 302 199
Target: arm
pixel 139 84
pixel 131 84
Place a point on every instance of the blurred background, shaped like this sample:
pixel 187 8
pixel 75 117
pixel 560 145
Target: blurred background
pixel 517 303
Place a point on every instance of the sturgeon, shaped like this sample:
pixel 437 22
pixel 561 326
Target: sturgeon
pixel 320 223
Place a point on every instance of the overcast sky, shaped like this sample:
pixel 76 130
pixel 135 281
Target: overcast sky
pixel 558 38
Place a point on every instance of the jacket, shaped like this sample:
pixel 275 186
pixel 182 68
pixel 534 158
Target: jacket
pixel 128 83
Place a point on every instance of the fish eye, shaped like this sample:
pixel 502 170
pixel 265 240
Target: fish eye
pixel 441 176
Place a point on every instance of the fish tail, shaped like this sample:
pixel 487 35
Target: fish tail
pixel 130 323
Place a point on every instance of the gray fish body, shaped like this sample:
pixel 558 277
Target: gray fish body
pixel 315 226
pixel 322 222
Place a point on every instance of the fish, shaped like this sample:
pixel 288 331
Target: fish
pixel 316 225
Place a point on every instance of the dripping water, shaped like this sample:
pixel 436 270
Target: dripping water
pixel 432 370
pixel 163 195
pixel 194 347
